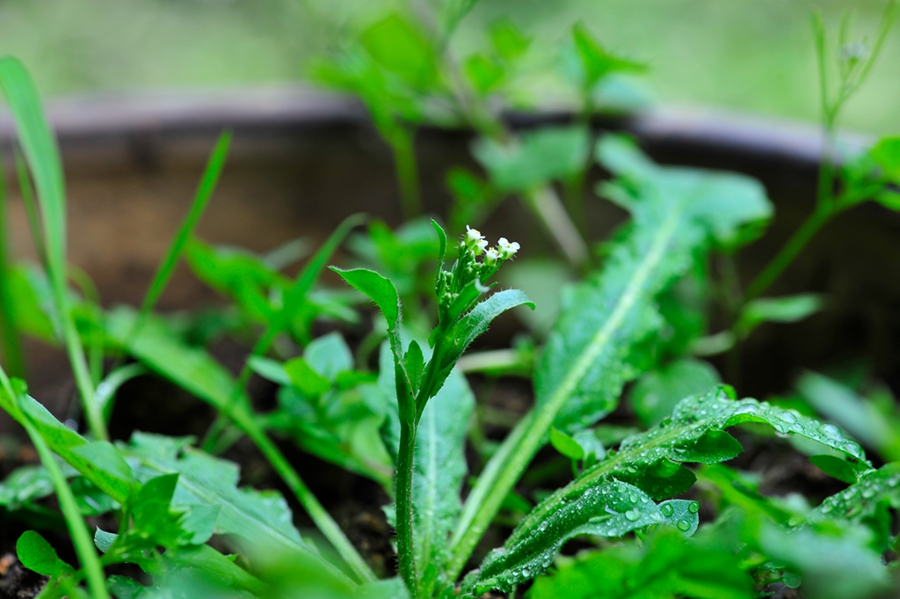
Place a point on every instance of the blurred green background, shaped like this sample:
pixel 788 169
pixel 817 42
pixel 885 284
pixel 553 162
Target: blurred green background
pixel 754 55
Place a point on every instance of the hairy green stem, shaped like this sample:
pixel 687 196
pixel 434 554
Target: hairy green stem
pixel 404 475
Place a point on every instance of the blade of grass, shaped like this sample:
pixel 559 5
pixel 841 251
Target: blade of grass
pixel 34 221
pixel 207 186
pixel 42 155
pixel 81 537
pixel 9 336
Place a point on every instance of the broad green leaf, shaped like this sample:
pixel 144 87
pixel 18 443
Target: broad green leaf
pixel 329 355
pixel 658 392
pixel 538 157
pixel 651 460
pixel 777 309
pixel 666 566
pixel 606 323
pixel 608 510
pixel 38 555
pixel 158 348
pixel 307 380
pixel 399 47
pixel 260 518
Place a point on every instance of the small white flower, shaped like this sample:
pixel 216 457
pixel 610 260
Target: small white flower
pixel 480 247
pixel 474 238
pixel 491 256
pixel 506 249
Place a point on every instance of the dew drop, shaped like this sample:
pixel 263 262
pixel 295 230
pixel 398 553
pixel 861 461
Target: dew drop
pixel 667 510
pixel 788 417
pixel 684 525
pixel 694 507
pixel 830 431
pixel 868 493
pixel 632 515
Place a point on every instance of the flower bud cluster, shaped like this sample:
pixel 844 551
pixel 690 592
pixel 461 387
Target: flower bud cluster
pixel 476 264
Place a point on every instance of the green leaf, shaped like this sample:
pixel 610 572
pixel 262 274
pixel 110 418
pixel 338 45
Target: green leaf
pixel 399 47
pixel 658 392
pixel 507 39
pixel 607 322
pixel 329 355
pixel 886 154
pixel 860 500
pixel 596 61
pixel 38 555
pixel 609 510
pixel 260 518
pixel 889 199
pixel 665 566
pixel 566 445
pixel 836 467
pixel 484 73
pixel 842 405
pixel 782 309
pixel 695 433
pixel 305 378
pixel 682 514
pixel 538 157
pixel 379 289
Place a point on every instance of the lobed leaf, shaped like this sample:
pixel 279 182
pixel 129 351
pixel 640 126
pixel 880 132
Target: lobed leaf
pixel 651 461
pixel 605 321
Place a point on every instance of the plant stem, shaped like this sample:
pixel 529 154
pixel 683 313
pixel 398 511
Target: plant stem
pixel 403 144
pixel 404 502
pixel 547 206
pixel 787 254
pixel 319 515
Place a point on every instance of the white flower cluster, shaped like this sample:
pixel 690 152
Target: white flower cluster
pixel 477 244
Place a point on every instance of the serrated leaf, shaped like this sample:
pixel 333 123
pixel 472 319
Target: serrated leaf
pixel 608 510
pixel 860 500
pixel 606 322
pixel 687 436
pixel 676 213
pixel 38 555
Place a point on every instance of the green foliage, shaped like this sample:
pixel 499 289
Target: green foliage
pixel 667 565
pixel 657 393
